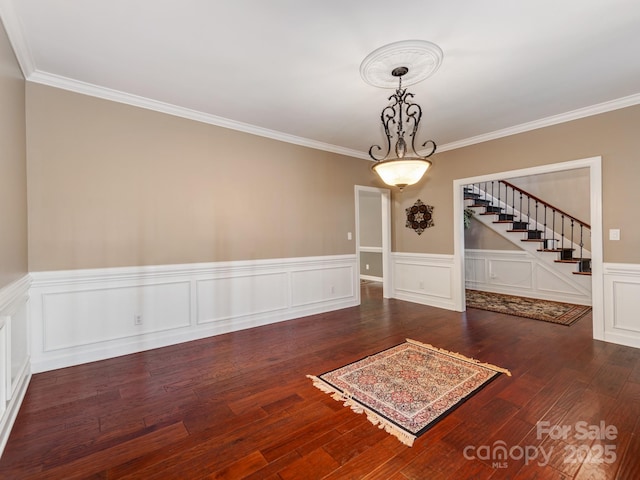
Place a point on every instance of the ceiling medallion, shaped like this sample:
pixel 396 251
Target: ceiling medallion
pixel 420 57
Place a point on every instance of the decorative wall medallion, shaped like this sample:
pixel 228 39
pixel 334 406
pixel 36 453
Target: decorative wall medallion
pixel 419 216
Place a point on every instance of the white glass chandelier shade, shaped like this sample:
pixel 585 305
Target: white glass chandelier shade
pixel 401 172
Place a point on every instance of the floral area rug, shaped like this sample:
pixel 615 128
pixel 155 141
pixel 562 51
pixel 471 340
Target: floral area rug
pixel 545 310
pixel 407 388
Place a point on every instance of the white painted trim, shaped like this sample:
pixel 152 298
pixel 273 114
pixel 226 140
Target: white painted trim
pixel 17 38
pixel 371 249
pixel 23 53
pixel 14 292
pixel 204 299
pixel 424 278
pixel 522 273
pixel 387 269
pixel 371 278
pixel 589 111
pixel 97 91
pixel 622 324
pixel 13 298
pixel 595 178
pixel 13 407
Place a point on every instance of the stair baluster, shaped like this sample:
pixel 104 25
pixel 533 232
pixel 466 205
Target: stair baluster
pixel 482 196
pixel 572 240
pixel 545 244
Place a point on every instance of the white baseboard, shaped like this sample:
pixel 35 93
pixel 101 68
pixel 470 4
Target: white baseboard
pixel 371 278
pixel 518 272
pixel 423 278
pixel 81 316
pixel 622 303
pixel 15 367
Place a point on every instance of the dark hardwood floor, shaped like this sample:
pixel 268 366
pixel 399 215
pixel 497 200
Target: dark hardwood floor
pixel 239 405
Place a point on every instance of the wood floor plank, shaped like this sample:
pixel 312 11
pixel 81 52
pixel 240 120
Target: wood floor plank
pixel 240 406
pixel 99 461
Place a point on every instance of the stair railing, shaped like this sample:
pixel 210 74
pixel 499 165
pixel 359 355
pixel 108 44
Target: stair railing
pixel 551 214
pixel 564 217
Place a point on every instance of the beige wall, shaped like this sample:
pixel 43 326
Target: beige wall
pixel 114 185
pixel 13 180
pixel 370 219
pixel 612 135
pixel 567 190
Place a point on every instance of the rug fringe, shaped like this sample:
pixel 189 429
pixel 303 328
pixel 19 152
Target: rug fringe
pixel 461 357
pixel 381 422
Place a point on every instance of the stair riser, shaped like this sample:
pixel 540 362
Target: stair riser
pixel 584 266
pixel 520 226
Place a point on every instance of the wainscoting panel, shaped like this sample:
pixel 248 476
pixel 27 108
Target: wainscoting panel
pixel 319 285
pixel 622 303
pixel 15 367
pixel 227 298
pixel 423 278
pixel 81 316
pixel 520 273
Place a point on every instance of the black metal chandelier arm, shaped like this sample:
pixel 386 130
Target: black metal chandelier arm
pixel 379 148
pixel 433 148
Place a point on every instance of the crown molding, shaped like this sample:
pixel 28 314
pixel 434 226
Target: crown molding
pixel 603 107
pixel 17 38
pixel 84 88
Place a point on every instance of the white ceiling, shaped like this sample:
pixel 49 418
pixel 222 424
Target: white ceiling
pixel 289 69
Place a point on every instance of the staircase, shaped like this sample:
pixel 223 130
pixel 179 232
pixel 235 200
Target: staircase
pixel 558 241
pixel 536 221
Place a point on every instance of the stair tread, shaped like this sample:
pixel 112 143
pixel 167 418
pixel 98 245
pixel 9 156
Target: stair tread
pixel 517 230
pixel 504 221
pixel 555 250
pixel 581 273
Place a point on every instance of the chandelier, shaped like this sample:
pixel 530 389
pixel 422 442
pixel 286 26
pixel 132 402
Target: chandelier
pixel 400 164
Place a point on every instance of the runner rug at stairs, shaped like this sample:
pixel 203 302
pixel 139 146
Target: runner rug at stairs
pixel 545 310
pixel 406 389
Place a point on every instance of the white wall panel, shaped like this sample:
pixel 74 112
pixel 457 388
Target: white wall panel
pixel 15 368
pixel 510 272
pixel 521 273
pixel 423 278
pixel 319 285
pixel 81 317
pixel 622 303
pixel 87 315
pixel 231 297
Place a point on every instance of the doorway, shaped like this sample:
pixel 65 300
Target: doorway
pixel 594 164
pixel 373 234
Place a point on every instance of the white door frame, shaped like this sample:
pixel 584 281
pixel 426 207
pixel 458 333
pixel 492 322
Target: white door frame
pixel 595 181
pixel 385 213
